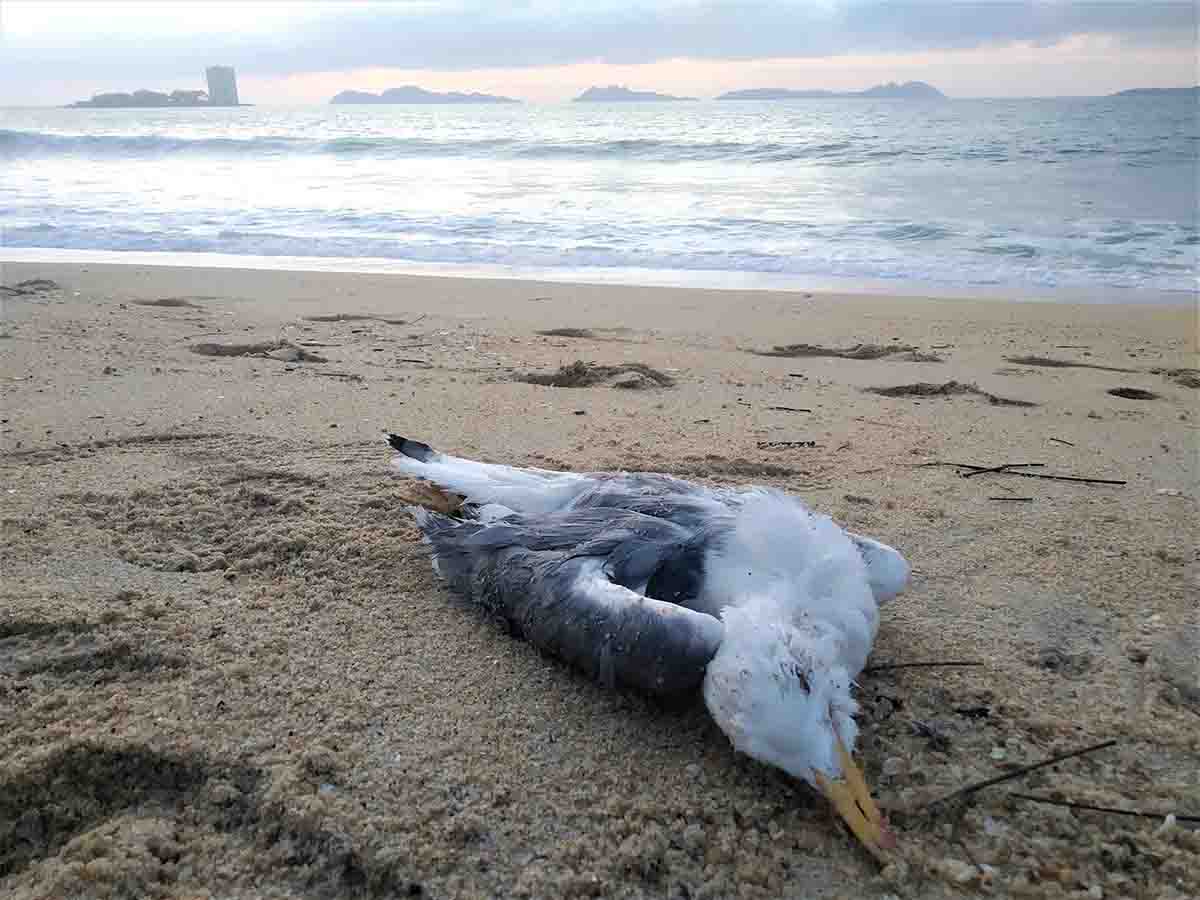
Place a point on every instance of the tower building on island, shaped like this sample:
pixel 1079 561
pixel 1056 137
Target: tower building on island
pixel 222 86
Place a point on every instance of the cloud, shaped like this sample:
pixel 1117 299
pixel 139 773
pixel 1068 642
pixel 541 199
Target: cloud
pixel 456 35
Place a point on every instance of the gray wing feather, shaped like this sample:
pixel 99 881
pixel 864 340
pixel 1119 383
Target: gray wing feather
pixel 561 598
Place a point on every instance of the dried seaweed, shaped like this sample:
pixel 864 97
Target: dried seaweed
pixel 568 332
pixel 858 351
pixel 947 389
pixel 580 374
pixel 1129 393
pixel 1051 363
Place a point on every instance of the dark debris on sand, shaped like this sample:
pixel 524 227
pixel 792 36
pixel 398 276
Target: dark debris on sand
pixel 281 350
pixel 1129 393
pixel 906 352
pixel 1189 378
pixel 358 317
pixel 1051 363
pixel 568 332
pixel 32 286
pixel 948 389
pixel 580 374
pixel 169 303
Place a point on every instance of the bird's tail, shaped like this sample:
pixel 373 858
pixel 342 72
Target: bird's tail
pixel 529 491
pixel 412 449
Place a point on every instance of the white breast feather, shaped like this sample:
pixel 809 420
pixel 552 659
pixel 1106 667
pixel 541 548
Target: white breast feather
pixel 782 554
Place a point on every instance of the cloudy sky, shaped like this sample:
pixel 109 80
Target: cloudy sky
pixel 304 52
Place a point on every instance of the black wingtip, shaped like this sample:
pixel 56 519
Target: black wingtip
pixel 413 449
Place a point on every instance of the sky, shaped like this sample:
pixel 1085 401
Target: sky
pixel 289 52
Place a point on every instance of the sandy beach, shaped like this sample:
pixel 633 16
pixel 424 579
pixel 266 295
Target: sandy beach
pixel 228 671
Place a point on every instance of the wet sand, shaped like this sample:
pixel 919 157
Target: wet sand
pixel 226 669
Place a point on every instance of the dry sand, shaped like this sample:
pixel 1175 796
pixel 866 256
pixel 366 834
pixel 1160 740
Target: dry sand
pixel 226 669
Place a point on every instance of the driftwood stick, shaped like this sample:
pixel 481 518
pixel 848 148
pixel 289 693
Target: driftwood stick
pixel 789 409
pixel 885 667
pixel 1102 809
pixel 1008 470
pixel 880 424
pixel 1074 478
pixel 1017 773
pixel 976 470
pixel 781 445
pixel 1061 441
pixel 349 376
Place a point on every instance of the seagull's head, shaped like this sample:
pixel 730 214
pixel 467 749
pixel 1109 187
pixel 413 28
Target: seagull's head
pixel 780 695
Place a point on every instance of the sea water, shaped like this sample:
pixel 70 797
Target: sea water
pixel 1093 194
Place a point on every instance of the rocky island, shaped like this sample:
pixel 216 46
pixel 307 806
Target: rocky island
pixel 414 94
pixel 617 94
pixel 144 99
pixel 222 91
pixel 910 90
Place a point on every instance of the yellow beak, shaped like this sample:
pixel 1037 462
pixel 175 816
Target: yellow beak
pixel 851 797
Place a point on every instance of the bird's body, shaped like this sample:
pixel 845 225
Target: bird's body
pixel 667 586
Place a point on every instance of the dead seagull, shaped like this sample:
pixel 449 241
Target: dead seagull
pixel 660 584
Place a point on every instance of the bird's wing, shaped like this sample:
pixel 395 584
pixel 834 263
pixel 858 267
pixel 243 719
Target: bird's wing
pixel 555 581
pixel 680 502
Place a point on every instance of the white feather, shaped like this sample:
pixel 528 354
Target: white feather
pixel 531 491
pixel 801 565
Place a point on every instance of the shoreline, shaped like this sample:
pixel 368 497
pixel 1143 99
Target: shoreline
pixel 228 669
pixel 707 280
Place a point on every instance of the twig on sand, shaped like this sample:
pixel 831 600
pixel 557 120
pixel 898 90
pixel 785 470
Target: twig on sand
pixel 984 470
pixel 789 409
pixel 1013 499
pixel 877 422
pixel 349 376
pixel 1007 469
pixel 1068 478
pixel 884 667
pixel 1102 809
pixel 1017 773
pixel 1061 441
pixel 783 445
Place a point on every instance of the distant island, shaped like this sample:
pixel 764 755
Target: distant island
pixel 910 90
pixel 222 91
pixel 617 94
pixel 1159 92
pixel 143 98
pixel 413 94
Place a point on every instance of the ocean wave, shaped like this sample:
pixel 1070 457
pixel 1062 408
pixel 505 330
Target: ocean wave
pixel 1011 263
pixel 15 144
pixel 35 143
pixel 1020 251
pixel 915 231
pixel 18 144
